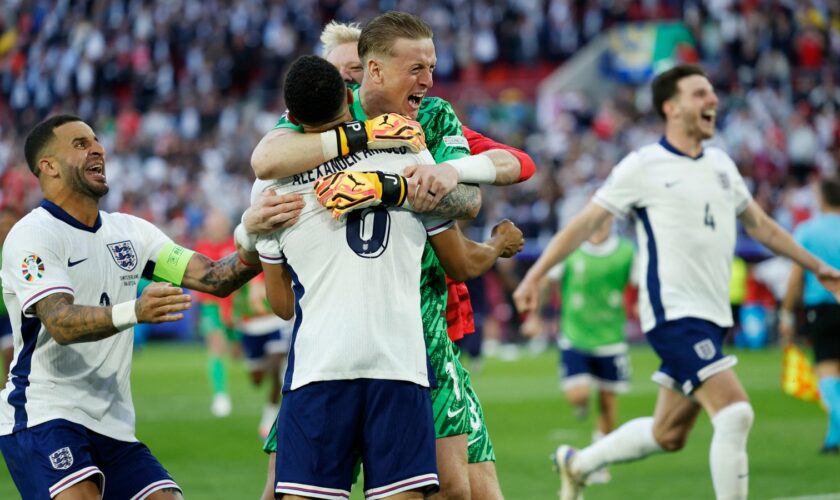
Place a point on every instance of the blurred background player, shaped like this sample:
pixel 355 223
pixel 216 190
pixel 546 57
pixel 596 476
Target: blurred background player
pixel 8 217
pixel 215 322
pixel 593 346
pixel 265 344
pixel 686 198
pixel 819 236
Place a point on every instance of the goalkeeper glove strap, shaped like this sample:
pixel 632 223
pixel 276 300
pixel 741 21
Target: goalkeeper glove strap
pixel 394 189
pixel 347 138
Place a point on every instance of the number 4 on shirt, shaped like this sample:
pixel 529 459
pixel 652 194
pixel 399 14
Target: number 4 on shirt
pixel 708 218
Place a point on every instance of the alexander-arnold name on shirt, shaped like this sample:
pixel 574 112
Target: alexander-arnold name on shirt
pixel 340 164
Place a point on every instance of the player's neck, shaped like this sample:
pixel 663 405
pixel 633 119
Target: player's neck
pixel 369 97
pixel 689 146
pixel 82 208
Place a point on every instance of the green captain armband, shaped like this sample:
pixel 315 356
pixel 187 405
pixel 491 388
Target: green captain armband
pixel 171 263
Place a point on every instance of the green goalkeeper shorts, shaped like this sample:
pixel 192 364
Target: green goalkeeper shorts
pixel 449 404
pixel 479 446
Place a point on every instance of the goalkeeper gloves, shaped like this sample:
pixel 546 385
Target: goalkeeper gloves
pixel 383 132
pixel 344 192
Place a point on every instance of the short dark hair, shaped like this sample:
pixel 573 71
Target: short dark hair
pixel 379 35
pixel 830 190
pixel 40 136
pixel 313 90
pixel 664 86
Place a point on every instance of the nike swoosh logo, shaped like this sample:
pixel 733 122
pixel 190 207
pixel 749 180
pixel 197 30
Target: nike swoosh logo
pixel 71 263
pixel 450 413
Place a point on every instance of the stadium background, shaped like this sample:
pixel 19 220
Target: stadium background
pixel 180 91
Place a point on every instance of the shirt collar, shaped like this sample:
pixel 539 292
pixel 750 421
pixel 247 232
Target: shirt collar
pixel 60 214
pixel 670 147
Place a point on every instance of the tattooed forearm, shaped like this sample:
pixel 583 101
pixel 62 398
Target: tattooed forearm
pixel 463 202
pixel 68 323
pixel 219 277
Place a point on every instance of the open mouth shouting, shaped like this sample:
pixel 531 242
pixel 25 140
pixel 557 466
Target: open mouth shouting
pixel 95 171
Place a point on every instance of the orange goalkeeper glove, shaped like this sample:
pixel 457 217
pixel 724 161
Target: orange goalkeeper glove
pixel 383 132
pixel 344 192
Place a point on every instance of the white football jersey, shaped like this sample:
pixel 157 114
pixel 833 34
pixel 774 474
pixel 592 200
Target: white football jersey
pixel 356 283
pixel 47 252
pixel 685 212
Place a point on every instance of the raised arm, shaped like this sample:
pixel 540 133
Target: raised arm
pixel 69 323
pixel 464 259
pixel 561 245
pixel 766 231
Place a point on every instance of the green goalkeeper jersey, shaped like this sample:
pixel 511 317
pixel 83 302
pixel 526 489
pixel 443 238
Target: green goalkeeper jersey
pixel 592 287
pixel 445 141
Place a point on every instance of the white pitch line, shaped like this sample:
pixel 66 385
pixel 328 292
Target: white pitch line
pixel 825 496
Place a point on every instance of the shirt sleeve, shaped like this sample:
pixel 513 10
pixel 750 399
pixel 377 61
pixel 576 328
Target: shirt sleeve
pixel 743 197
pixel 34 267
pixel 444 133
pixel 270 249
pixel 435 225
pixel 621 191
pixel 480 143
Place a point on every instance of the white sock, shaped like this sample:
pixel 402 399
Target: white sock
pixel 728 453
pixel 631 441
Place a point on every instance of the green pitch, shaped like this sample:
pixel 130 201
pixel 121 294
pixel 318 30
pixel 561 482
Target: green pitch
pixel 220 458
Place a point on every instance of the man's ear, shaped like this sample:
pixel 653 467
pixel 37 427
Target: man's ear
pixel 48 167
pixel 374 69
pixel 292 118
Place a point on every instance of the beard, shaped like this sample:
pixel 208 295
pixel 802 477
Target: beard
pixel 80 184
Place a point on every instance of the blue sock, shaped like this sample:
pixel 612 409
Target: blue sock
pixel 830 393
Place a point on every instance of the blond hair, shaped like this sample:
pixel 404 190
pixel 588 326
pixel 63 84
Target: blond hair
pixel 379 36
pixel 337 33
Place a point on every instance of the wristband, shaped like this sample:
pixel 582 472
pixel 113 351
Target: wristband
pixel 246 240
pixel 476 169
pixel 123 315
pixel 394 189
pixel 353 137
pixel 330 144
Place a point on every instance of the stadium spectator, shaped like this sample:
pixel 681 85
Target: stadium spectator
pixel 8 217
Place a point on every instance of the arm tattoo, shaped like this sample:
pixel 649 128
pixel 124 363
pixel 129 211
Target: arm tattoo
pixel 220 277
pixel 68 323
pixel 463 202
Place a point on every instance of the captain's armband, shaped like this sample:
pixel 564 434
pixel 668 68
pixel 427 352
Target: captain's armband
pixel 171 263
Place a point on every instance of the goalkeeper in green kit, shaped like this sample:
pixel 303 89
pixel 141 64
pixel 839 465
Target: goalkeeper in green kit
pixel 398 57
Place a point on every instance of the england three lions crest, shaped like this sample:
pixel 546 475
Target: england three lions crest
pixel 124 255
pixel 61 459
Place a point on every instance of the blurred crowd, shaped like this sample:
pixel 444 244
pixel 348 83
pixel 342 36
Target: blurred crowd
pixel 180 91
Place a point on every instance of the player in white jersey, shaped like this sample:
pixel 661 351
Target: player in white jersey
pixel 685 199
pixel 70 275
pixel 357 381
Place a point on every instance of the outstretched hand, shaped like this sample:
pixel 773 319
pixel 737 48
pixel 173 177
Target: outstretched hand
pixel 161 303
pixel 272 211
